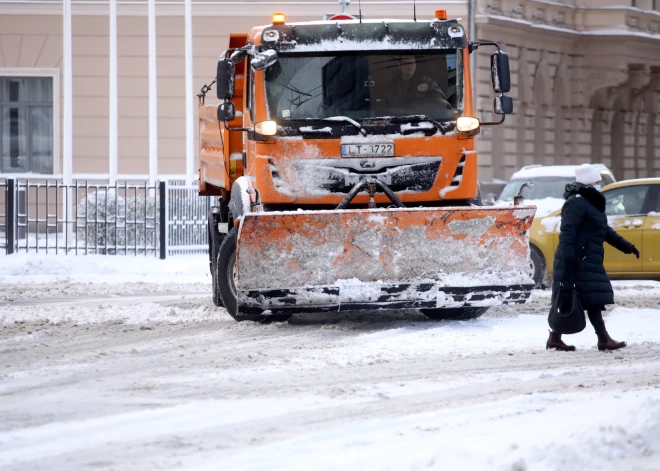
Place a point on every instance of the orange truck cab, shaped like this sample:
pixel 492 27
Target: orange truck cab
pixel 343 161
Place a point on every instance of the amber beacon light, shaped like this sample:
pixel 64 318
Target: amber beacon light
pixel 441 14
pixel 278 18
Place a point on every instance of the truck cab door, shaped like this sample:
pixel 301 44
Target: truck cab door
pixel 624 208
pixel 651 255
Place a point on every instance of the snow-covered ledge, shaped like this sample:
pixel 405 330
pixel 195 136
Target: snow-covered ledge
pixel 609 17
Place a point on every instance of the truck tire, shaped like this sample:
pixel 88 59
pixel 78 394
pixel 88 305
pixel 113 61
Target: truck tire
pixel 217 300
pixel 209 237
pixel 213 258
pixel 454 313
pixel 537 266
pixel 226 264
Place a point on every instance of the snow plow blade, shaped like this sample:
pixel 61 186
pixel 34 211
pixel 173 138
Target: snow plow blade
pixel 347 260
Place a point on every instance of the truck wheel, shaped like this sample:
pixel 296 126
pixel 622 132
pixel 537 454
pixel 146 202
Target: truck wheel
pixel 209 237
pixel 213 259
pixel 537 266
pixel 454 313
pixel 217 300
pixel 226 266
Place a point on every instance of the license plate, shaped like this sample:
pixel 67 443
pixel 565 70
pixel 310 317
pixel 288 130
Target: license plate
pixel 367 150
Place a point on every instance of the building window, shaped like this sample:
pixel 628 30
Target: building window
pixel 26 124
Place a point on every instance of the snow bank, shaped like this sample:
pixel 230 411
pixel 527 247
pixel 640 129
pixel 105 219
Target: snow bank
pixel 37 268
pixel 98 312
pixel 638 290
pixel 572 431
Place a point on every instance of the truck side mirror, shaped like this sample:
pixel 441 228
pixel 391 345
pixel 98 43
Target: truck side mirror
pixel 226 73
pixel 500 74
pixel 226 111
pixel 503 105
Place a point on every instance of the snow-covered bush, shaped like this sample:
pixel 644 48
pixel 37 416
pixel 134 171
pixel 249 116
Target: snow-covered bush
pixel 110 223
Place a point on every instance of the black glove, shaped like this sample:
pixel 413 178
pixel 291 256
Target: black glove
pixel 634 250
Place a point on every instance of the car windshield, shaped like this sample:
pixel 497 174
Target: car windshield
pixel 359 86
pixel 544 187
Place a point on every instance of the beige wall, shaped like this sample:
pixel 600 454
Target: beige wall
pixel 28 39
pixel 568 67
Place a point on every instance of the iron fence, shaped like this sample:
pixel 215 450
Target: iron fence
pixel 86 217
pixel 187 219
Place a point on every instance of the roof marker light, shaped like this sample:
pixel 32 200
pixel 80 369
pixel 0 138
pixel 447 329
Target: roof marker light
pixel 341 16
pixel 278 18
pixel 441 14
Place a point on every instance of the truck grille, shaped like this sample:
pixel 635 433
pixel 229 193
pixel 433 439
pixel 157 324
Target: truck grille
pixel 339 176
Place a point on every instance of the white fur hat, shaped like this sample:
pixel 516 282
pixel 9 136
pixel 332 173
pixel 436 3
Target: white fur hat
pixel 587 174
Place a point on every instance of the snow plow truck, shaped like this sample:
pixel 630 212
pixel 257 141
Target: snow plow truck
pixel 341 159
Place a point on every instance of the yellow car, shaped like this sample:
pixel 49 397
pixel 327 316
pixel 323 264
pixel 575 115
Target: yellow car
pixel 633 211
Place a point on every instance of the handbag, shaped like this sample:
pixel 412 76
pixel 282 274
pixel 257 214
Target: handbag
pixel 567 319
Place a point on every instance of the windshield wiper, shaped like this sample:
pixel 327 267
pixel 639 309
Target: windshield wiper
pixel 442 127
pixel 343 119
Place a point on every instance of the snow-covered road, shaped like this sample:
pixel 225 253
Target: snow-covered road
pixel 106 366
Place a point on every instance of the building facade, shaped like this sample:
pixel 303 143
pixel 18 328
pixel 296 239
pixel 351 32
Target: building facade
pixel 586 83
pixel 585 75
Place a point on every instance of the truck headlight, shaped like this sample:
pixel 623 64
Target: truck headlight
pixel 266 128
pixel 467 123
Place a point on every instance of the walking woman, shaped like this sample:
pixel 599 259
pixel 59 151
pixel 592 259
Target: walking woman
pixel 579 255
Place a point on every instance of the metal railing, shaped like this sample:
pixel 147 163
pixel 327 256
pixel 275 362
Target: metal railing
pixel 44 215
pixel 187 219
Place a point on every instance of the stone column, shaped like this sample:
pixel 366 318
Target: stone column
pixel 652 139
pixel 651 167
pixel 497 152
pixel 520 135
pixel 597 134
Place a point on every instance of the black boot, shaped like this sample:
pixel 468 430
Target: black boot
pixel 554 341
pixel 605 342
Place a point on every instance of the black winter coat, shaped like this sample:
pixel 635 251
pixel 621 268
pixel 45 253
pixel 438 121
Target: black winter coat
pixel 582 233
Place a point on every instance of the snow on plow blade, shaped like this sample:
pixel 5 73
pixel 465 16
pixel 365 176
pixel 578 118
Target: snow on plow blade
pixel 346 260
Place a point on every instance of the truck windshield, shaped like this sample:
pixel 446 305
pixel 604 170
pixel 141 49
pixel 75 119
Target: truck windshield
pixel 368 85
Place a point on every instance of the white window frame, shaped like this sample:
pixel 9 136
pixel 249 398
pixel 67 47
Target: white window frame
pixel 54 74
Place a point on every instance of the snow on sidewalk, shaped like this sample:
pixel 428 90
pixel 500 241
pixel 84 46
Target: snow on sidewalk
pixel 103 269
